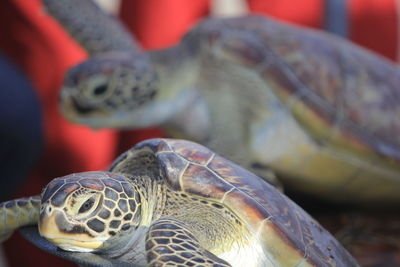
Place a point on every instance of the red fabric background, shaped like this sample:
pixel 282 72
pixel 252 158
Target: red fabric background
pixel 374 25
pixel 304 12
pixel 44 51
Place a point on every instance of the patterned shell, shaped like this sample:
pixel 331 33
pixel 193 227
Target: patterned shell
pixel 280 224
pixel 328 83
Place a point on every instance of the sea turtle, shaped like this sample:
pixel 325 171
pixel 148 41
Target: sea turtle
pixel 169 202
pixel 321 112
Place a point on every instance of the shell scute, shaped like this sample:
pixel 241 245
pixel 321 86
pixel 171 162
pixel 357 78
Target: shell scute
pixel 247 49
pixel 228 172
pixel 156 145
pixel 172 165
pixel 247 182
pixel 201 181
pixel 192 152
pixel 251 212
pixel 255 197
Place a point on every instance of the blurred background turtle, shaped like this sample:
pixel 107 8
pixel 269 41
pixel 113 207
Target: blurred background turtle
pixel 319 111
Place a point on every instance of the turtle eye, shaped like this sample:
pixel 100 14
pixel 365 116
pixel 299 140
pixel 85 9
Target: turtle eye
pixel 100 90
pixel 87 205
pixel 95 88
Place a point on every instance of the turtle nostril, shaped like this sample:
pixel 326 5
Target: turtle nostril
pixel 82 109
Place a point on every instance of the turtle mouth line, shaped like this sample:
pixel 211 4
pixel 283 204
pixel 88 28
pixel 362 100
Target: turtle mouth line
pixel 76 245
pixel 67 239
pixel 79 114
pixel 80 108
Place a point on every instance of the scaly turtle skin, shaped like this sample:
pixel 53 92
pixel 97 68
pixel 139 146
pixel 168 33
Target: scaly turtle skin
pixel 175 203
pixel 318 110
pixel 81 19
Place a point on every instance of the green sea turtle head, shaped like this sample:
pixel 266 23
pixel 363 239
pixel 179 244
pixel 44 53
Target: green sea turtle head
pixel 91 211
pixel 108 90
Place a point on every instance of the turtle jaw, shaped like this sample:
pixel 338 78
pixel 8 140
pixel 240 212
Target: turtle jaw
pixel 75 245
pixel 53 227
pixel 79 114
pixel 92 117
pixel 156 111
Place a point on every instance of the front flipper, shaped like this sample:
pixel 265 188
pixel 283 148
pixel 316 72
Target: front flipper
pixel 90 26
pixel 170 243
pixel 16 213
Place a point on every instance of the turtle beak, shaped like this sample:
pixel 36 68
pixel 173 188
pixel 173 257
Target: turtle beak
pixel 67 106
pixel 54 226
pixel 79 113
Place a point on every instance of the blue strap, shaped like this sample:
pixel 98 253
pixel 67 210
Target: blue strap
pixel 336 17
pixel 21 129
